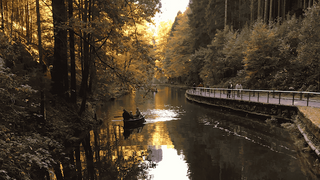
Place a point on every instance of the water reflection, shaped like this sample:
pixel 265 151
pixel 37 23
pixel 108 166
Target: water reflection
pixel 182 140
pixel 158 115
pixel 170 165
pixel 128 131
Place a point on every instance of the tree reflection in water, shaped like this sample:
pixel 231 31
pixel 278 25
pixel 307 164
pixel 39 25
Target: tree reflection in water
pixel 103 157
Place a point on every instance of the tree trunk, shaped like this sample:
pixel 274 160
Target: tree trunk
pixel 31 26
pixel 225 13
pixel 78 161
pixel 2 21
pixel 85 72
pixel 270 12
pixel 309 4
pixel 239 14
pixel 259 9
pixel 72 57
pixel 60 63
pixel 251 12
pixel 89 157
pixel 284 10
pixel 11 31
pixel 279 8
pixel 265 10
pixel 27 22
pixel 42 106
pixel 91 63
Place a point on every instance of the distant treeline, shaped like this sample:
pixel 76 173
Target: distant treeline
pixel 266 46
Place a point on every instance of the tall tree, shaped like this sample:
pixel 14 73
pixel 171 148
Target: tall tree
pixel 178 49
pixel 265 10
pixel 251 12
pixel 197 23
pixel 42 106
pixel 86 49
pixel 73 87
pixel 259 9
pixel 2 19
pixel 270 11
pixel 225 13
pixel 60 63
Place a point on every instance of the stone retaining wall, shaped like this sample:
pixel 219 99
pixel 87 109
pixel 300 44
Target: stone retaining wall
pixel 283 114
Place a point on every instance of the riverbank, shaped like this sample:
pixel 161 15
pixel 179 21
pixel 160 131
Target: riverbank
pixel 306 119
pixel 308 123
pixel 181 86
pixel 35 148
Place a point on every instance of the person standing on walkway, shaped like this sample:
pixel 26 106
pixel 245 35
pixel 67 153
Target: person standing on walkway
pixel 240 88
pixel 237 88
pixel 229 90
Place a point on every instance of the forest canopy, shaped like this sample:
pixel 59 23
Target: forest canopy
pixel 260 44
pixel 57 57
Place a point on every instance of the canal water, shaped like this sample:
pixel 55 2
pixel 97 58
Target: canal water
pixel 184 140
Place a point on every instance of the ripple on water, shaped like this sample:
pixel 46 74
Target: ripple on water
pixel 159 115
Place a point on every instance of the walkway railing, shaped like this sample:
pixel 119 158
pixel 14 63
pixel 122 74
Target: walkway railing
pixel 296 98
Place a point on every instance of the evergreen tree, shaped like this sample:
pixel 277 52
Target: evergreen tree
pixel 198 25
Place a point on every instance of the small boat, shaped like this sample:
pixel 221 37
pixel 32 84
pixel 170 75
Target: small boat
pixel 134 122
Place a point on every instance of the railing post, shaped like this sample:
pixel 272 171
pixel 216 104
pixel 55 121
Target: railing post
pixel 273 94
pixel 292 98
pixel 279 97
pixel 241 94
pixel 249 94
pixel 220 93
pixel 258 96
pixel 268 97
pixel 308 99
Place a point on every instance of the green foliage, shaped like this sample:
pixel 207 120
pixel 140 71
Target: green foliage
pixel 214 63
pixel 177 53
pixel 289 73
pixel 223 57
pixel 24 156
pixel 308 50
pixel 277 55
pixel 261 56
pixel 197 23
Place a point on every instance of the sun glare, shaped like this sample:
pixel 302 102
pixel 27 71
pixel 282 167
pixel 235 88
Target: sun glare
pixel 169 10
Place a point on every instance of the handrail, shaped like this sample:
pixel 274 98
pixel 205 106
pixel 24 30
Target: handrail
pixel 241 94
pixel 275 91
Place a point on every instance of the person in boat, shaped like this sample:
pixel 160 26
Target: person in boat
pixel 131 115
pixel 138 113
pixel 125 115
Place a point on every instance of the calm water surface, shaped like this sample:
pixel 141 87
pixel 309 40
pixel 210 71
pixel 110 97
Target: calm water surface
pixel 183 140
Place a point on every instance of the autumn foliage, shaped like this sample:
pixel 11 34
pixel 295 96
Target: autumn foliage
pixel 262 55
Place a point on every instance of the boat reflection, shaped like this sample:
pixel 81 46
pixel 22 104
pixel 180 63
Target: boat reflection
pixel 127 131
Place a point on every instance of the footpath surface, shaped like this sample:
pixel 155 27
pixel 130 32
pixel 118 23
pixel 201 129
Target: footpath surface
pixel 259 98
pixel 312 113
